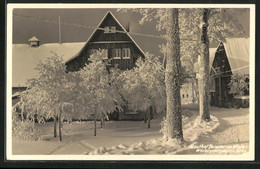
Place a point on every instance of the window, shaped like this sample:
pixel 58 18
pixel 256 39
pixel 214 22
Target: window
pixel 117 54
pixel 126 53
pixel 113 29
pixel 103 51
pixel 106 29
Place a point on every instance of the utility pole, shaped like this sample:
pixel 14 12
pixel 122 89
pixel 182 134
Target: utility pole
pixel 59 31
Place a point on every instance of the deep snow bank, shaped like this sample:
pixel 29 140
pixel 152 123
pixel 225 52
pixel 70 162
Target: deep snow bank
pixel 192 129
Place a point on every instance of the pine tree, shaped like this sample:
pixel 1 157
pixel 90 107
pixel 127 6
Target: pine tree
pixel 172 81
pixel 204 68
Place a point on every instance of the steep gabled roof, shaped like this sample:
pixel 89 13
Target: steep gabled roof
pixel 237 50
pixel 100 28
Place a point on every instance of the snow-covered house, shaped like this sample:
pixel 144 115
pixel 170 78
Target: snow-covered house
pixel 110 36
pixel 231 57
pixel 25 59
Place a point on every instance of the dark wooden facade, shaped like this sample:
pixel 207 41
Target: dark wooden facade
pixel 220 78
pixel 231 57
pixel 111 37
pixel 121 50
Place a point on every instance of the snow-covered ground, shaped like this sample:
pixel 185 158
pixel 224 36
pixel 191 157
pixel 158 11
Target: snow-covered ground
pixel 230 137
pixel 229 127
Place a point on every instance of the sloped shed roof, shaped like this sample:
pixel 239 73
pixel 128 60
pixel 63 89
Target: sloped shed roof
pixel 237 50
pixel 25 59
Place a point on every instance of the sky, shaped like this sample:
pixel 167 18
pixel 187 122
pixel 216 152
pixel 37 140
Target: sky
pixel 24 27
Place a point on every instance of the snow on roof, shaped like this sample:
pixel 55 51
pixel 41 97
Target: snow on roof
pixel 33 39
pixel 212 52
pixel 16 94
pixel 25 59
pixel 237 50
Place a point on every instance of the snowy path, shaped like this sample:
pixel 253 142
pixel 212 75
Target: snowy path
pixel 232 133
pixel 73 147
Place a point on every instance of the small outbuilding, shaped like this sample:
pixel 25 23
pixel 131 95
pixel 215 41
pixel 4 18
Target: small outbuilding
pixel 231 58
pixel 34 42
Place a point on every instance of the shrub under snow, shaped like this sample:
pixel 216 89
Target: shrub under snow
pixel 25 130
pixel 192 129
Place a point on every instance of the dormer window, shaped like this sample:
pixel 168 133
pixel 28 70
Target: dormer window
pixel 111 29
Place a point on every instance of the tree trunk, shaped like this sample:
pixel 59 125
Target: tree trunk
pixel 102 121
pixel 145 117
pixel 172 79
pixel 22 113
pixel 197 90
pixel 149 123
pixel 60 126
pixel 149 117
pixel 204 69
pixel 55 126
pixel 95 125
